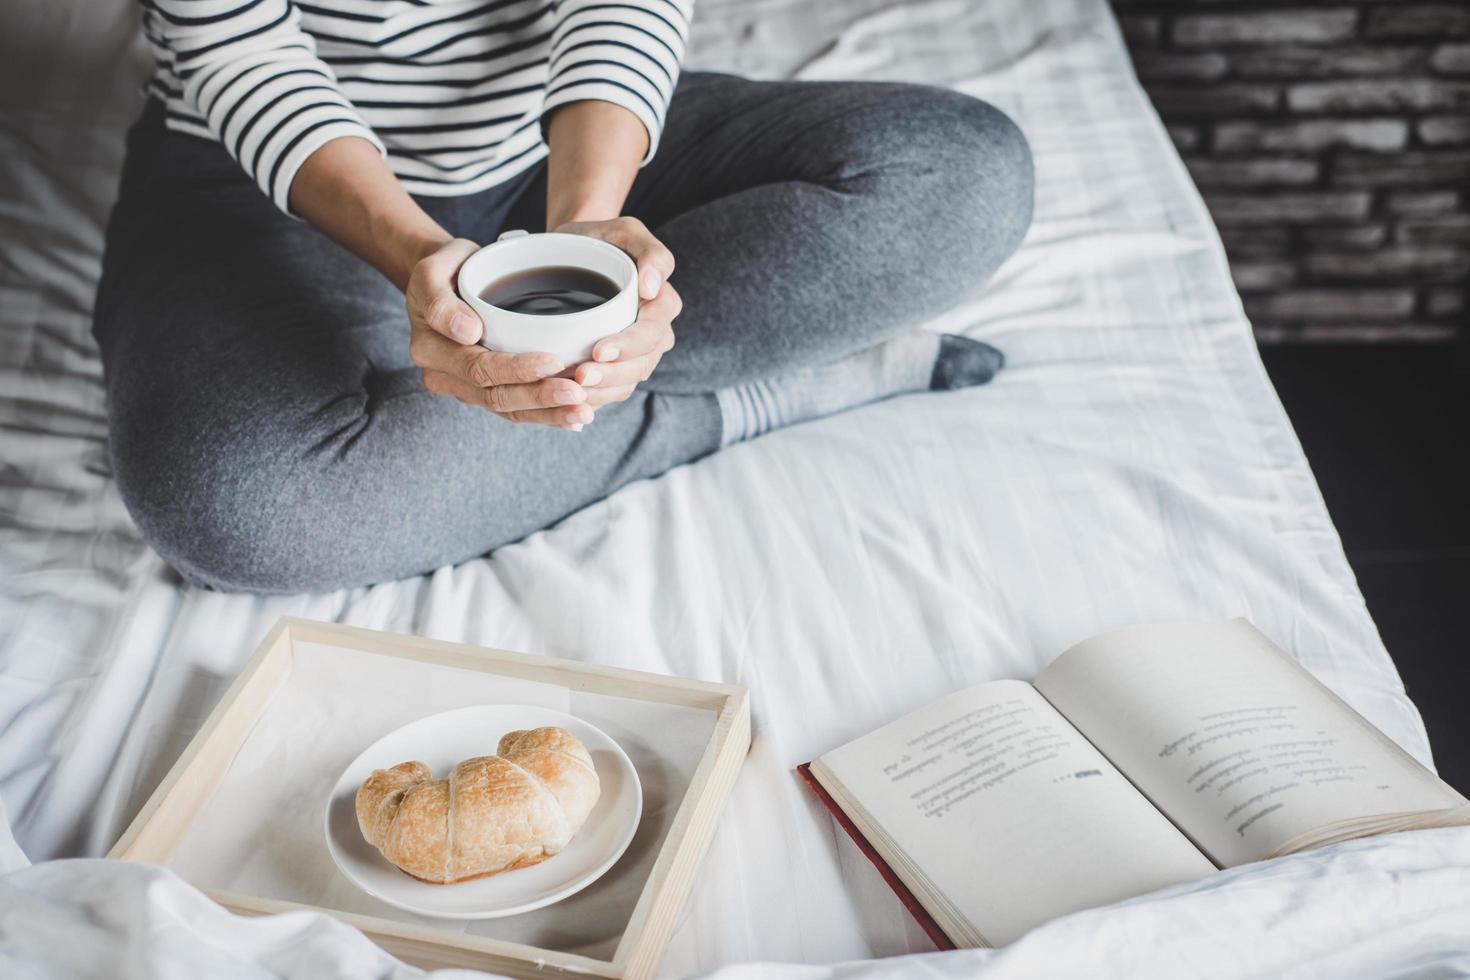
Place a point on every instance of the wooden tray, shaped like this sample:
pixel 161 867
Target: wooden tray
pixel 165 819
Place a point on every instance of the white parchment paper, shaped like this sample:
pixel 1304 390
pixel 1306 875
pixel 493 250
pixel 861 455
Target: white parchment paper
pixel 262 831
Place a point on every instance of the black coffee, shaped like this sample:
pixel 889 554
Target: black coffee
pixel 550 290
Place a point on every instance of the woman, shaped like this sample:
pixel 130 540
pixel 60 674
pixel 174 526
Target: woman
pixel 300 171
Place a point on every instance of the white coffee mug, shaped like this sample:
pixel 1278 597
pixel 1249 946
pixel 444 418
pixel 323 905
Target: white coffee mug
pixel 568 336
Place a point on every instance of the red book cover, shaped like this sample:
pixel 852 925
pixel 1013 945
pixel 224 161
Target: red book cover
pixel 920 914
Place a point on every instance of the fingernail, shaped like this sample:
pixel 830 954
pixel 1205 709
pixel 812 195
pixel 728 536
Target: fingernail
pixel 463 329
pixel 569 396
pixel 650 284
pixel 591 377
pixel 580 415
pixel 547 368
pixel 575 427
pixel 608 354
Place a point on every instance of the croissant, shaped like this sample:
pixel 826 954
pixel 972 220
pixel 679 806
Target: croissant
pixel 494 813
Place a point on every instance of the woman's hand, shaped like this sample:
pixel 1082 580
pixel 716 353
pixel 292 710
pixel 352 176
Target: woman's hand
pixel 444 342
pixel 626 358
pixel 347 191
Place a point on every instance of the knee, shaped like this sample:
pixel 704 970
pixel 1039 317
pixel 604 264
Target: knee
pixel 958 171
pixel 979 179
pixel 211 505
pixel 988 167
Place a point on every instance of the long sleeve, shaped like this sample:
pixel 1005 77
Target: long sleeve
pixel 248 70
pixel 627 53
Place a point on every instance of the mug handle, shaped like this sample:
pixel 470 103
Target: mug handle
pixel 513 233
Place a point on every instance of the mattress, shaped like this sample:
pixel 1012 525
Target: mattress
pixel 1131 464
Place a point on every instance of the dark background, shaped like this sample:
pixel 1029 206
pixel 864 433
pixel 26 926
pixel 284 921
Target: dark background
pixel 1387 431
pixel 1331 142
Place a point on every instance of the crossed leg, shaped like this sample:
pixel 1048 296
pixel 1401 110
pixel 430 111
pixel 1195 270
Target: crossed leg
pixel 270 434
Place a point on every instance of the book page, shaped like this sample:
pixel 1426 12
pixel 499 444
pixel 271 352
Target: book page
pixel 1007 812
pixel 1231 738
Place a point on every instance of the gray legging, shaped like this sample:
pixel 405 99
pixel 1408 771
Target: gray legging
pixel 270 434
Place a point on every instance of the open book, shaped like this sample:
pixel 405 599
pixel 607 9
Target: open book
pixel 1138 759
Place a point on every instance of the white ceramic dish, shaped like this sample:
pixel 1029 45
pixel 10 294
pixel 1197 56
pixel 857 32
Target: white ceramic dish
pixel 570 336
pixel 440 742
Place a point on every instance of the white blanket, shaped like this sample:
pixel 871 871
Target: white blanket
pixel 1380 908
pixel 1131 464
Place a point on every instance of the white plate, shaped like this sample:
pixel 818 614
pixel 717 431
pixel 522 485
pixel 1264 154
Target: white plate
pixel 442 741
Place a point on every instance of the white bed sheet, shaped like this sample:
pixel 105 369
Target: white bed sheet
pixel 1131 464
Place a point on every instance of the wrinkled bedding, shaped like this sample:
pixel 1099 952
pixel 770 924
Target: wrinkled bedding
pixel 1131 464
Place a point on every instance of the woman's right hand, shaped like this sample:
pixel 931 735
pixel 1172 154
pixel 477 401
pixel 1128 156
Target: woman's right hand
pixel 445 344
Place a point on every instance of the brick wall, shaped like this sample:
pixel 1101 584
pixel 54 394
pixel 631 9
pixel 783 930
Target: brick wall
pixel 1331 141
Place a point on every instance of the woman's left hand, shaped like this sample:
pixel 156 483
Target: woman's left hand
pixel 626 358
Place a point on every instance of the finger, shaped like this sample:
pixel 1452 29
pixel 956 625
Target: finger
pixel 652 330
pixel 477 365
pixel 562 418
pixel 647 335
pixel 598 397
pixel 549 394
pixel 555 393
pixel 655 265
pixel 450 317
pixel 628 371
pixel 442 309
pixel 654 260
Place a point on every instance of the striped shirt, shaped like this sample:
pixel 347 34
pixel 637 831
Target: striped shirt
pixel 452 92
